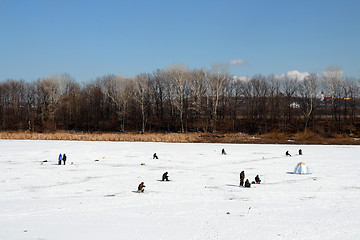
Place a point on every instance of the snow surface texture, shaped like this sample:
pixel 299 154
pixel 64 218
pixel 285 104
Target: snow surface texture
pixel 97 199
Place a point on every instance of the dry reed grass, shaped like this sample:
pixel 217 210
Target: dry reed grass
pixel 275 135
pixel 306 137
pixel 79 136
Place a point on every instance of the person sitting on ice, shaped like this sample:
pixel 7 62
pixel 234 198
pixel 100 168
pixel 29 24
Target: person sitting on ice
pixel 223 152
pixel 141 187
pixel 60 158
pixel 155 156
pixel 257 179
pixel 287 154
pixel 165 176
pixel 300 152
pixel 247 183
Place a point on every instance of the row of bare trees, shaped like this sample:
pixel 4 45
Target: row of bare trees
pixel 182 100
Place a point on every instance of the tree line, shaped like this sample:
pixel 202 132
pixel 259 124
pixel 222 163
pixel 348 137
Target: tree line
pixel 181 100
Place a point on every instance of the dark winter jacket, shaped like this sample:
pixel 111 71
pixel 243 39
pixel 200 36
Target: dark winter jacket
pixel 141 186
pixel 165 177
pixel 257 179
pixel 247 183
pixel 64 157
pixel 242 175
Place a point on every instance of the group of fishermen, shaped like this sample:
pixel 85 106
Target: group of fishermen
pixel 62 158
pixel 242 176
pixel 165 177
pixel 247 182
pixel 141 186
pixel 289 155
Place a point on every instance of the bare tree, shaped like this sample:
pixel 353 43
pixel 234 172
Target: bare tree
pixel 334 81
pixel 274 95
pixel 290 87
pixel 351 91
pixel 13 103
pixel 217 81
pixel 197 94
pixel 49 95
pixel 141 90
pixel 176 76
pixel 119 90
pixel 308 89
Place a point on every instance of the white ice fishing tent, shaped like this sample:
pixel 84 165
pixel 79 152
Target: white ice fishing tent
pixel 301 168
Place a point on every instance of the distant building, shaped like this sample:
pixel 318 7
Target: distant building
pixel 295 105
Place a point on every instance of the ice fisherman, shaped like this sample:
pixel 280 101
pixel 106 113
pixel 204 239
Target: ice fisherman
pixel 247 183
pixel 141 187
pixel 288 154
pixel 64 158
pixel 155 156
pixel 165 177
pixel 300 152
pixel 223 152
pixel 257 179
pixel 242 177
pixel 60 158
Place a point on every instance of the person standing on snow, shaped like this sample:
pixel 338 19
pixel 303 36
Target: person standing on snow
pixel 223 152
pixel 60 158
pixel 64 158
pixel 242 177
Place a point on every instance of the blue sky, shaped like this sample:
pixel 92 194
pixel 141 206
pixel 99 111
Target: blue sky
pixel 88 39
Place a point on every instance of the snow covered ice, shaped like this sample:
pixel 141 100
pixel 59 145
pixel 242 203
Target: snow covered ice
pixel 97 199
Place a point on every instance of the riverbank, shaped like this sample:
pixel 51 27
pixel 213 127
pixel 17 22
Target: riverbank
pixel 269 138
